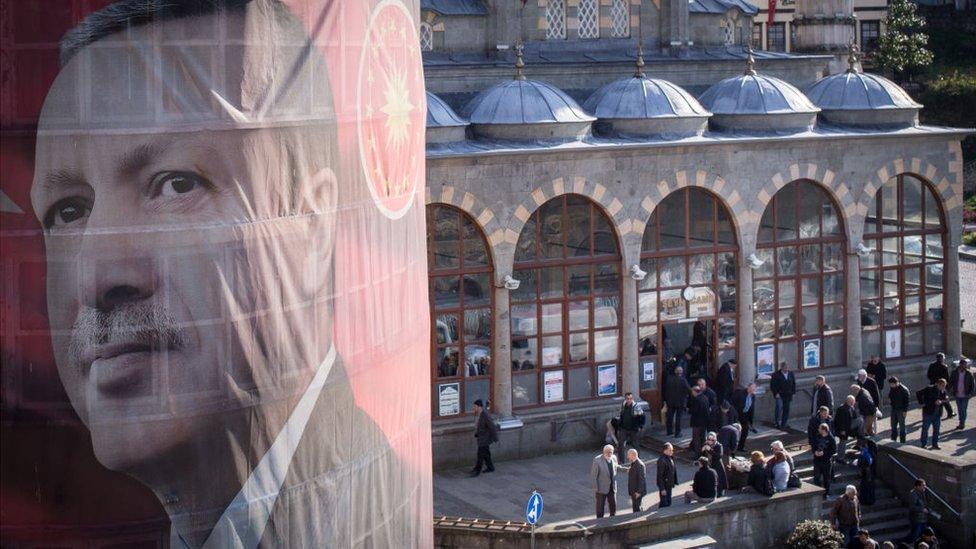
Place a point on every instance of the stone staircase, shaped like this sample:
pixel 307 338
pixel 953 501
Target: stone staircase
pixel 887 519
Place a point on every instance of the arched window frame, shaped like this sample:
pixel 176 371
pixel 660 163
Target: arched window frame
pixel 440 283
pixel 542 313
pixel 426 35
pixel 620 19
pixel 775 287
pixel 893 278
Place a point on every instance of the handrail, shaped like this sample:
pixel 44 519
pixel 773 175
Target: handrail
pixel 927 489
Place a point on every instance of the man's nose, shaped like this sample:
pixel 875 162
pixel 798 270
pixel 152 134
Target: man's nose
pixel 121 280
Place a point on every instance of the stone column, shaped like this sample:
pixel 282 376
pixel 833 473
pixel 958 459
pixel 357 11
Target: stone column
pixel 628 334
pixel 744 328
pixel 502 357
pixel 950 303
pixel 674 24
pixel 853 311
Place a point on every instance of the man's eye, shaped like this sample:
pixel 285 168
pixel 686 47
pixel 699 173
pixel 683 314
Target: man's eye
pixel 65 212
pixel 177 183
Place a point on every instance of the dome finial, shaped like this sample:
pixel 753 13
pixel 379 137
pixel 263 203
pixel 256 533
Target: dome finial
pixel 750 63
pixel 519 62
pixel 852 57
pixel 639 70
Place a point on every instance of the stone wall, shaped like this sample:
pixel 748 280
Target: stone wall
pixel 740 522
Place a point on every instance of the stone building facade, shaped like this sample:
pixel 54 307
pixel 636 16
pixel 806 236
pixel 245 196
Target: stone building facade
pixel 565 272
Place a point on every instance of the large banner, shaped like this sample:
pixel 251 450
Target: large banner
pixel 214 300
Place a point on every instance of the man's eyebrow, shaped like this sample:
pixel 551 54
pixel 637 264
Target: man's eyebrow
pixel 62 178
pixel 138 158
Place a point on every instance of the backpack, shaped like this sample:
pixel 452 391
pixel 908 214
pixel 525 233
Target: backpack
pixel 866 455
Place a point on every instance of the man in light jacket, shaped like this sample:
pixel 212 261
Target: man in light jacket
pixel 603 475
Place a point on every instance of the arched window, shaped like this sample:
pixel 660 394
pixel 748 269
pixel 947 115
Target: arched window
pixel 588 14
pixel 461 310
pixel 687 299
pixel 426 37
pixel 799 291
pixel 901 279
pixel 730 28
pixel 620 18
pixel 555 19
pixel 565 313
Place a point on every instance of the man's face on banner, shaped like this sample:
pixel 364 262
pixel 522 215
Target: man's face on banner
pixel 189 268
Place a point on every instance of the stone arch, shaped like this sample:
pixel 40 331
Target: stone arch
pixel 484 218
pixel 839 191
pixel 726 195
pixel 948 189
pixel 598 193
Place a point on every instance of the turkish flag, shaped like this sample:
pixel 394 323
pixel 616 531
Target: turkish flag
pixel 772 12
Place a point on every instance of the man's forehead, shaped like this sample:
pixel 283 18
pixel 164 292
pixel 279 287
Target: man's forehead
pixel 228 69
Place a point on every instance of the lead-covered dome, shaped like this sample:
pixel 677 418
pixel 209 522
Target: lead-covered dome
pixel 646 107
pixel 855 98
pixel 443 124
pixel 752 103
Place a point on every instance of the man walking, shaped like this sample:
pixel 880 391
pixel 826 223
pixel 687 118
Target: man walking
pixel 725 380
pixel 963 385
pixel 813 427
pixel 636 479
pixel 631 422
pixel 866 407
pixel 486 433
pixel 603 475
pixel 783 387
pixel 698 407
pixel 918 511
pixel 676 397
pixel 878 372
pixel 824 448
pixel 845 515
pixel 823 395
pixel 932 399
pixel 667 475
pixel 868 383
pixel 744 401
pixel 940 370
pixel 846 425
pixel 899 399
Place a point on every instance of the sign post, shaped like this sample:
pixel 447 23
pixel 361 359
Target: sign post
pixel 533 512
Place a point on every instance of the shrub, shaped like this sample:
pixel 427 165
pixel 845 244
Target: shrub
pixel 815 534
pixel 969 239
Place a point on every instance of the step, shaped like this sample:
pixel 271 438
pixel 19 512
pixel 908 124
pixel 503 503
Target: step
pixel 891 528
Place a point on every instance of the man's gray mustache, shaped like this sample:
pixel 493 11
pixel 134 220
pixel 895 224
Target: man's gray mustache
pixel 149 324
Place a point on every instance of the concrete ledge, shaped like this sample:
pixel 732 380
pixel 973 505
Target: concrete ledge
pixel 740 521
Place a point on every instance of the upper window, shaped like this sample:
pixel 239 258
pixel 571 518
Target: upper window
pixel 589 19
pixel 565 314
pixel 902 291
pixel 461 310
pixel 555 19
pixel 870 31
pixel 776 37
pixel 799 290
pixel 620 18
pixel 757 36
pixel 729 29
pixel 426 37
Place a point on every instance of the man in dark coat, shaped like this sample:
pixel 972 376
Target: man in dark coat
pixel 962 386
pixel 813 427
pixel 869 384
pixel 667 475
pixel 744 401
pixel 932 398
pixel 866 407
pixel 918 511
pixel 715 453
pixel 698 408
pixel 702 384
pixel 899 400
pixel 729 437
pixel 676 397
pixel 636 479
pixel 846 425
pixel 725 380
pixel 705 484
pixel 631 422
pixel 823 395
pixel 940 370
pixel 878 372
pixel 823 447
pixel 722 415
pixel 783 387
pixel 486 433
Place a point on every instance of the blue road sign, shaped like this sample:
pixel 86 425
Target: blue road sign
pixel 533 509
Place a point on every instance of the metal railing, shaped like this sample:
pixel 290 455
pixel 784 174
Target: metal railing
pixel 927 489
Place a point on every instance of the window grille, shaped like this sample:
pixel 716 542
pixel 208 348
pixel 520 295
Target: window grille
pixel 555 20
pixel 589 19
pixel 426 37
pixel 620 18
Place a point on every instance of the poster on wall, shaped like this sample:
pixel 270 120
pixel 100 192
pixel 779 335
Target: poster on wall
pixel 552 383
pixel 606 377
pixel 811 353
pixel 449 399
pixel 648 374
pixel 765 359
pixel 892 343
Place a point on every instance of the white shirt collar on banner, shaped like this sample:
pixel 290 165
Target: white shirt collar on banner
pixel 243 522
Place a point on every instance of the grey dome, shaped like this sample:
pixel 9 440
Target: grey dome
pixel 443 124
pixel 757 103
pixel 526 110
pixel 854 98
pixel 649 107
